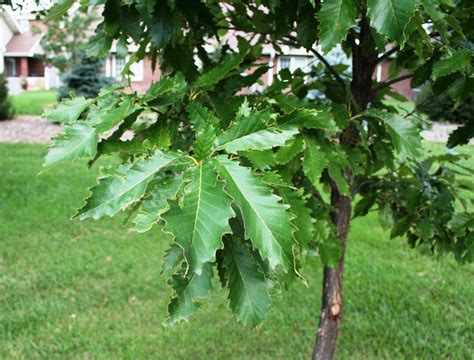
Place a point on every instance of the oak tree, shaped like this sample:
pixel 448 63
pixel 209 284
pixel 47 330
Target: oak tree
pixel 248 183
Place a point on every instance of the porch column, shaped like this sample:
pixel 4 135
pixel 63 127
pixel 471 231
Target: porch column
pixel 24 66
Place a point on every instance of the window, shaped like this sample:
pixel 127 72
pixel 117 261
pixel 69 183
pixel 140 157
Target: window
pixel 300 62
pixel 114 67
pixel 35 68
pixel 137 70
pixel 119 65
pixel 10 67
pixel 285 62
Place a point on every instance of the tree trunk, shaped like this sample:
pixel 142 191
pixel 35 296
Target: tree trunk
pixel 332 308
pixel 364 58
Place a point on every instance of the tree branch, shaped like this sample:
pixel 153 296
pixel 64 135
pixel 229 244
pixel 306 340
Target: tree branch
pixel 321 58
pixel 387 54
pixel 334 73
pixel 388 83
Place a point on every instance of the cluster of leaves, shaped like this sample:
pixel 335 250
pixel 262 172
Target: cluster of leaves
pixel 247 184
pixel 419 201
pixel 441 107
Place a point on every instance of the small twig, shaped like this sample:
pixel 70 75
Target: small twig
pixel 387 54
pixel 334 73
pixel 388 83
pixel 321 58
pixel 359 186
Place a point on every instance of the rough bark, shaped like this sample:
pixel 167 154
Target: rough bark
pixel 364 58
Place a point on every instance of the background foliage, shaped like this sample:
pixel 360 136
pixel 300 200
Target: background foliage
pixel 84 78
pixel 6 110
pixel 279 169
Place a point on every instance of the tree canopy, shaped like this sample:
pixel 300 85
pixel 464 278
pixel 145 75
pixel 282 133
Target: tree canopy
pixel 248 183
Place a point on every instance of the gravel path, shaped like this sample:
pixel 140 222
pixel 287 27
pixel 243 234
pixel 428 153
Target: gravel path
pixel 34 129
pixel 28 129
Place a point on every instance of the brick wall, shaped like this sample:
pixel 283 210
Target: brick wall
pixel 402 87
pixel 148 76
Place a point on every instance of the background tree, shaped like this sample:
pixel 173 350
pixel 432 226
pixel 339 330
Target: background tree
pixel 440 106
pixel 247 184
pixel 6 110
pixel 84 78
pixel 64 38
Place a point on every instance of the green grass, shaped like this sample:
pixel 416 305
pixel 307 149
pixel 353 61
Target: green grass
pixel 93 290
pixel 33 102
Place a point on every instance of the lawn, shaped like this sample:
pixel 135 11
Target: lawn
pixel 93 290
pixel 33 102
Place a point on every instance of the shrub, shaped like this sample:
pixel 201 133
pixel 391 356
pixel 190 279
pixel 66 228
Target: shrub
pixel 6 110
pixel 85 78
pixel 441 107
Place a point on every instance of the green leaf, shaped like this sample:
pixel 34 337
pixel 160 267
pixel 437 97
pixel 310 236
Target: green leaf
pixel 69 110
pixel 426 229
pixel 201 218
pixel 306 24
pixel 59 9
pixel 248 295
pixel 166 91
pixel 204 143
pixel 319 155
pixel 461 135
pixel 460 222
pixel 363 206
pixel 336 17
pixel 290 150
pixel 267 223
pixel 163 24
pixel 115 193
pixel 100 44
pixel 200 116
pixel 260 159
pixel 114 116
pixel 389 17
pixel 156 203
pixel 314 160
pixel 405 135
pixel 252 133
pixel 303 221
pixel 219 72
pixel 310 119
pixel 188 289
pixel 173 257
pixel 78 141
pixel 456 62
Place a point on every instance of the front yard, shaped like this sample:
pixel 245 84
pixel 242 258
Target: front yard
pixel 33 102
pixel 93 290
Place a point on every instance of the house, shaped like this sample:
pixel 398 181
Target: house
pixel 19 51
pixel 143 75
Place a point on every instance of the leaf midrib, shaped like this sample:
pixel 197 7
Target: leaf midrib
pixel 131 187
pixel 248 297
pixel 256 213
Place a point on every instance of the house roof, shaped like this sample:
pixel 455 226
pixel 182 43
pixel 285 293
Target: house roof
pixel 26 44
pixel 11 22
